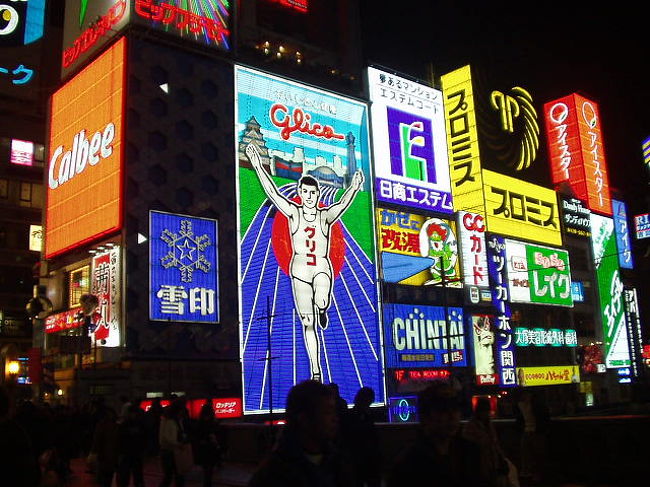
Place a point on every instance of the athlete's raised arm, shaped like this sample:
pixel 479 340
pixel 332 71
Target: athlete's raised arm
pixel 335 211
pixel 282 203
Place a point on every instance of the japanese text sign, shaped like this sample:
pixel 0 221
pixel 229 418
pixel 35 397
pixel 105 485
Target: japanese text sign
pixel 184 268
pixel 106 284
pixel 541 337
pixel 411 162
pixel 548 376
pixel 575 217
pixel 622 231
pixel 642 225
pixel 471 233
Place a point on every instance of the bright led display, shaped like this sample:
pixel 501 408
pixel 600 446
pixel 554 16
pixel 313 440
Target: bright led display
pixel 408 124
pixel 307 254
pixel 576 149
pixel 516 208
pixel 610 291
pixel 183 279
pixel 538 274
pixel 417 250
pixel 85 155
pixel 623 243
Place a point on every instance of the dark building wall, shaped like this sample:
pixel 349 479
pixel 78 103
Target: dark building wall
pixel 179 159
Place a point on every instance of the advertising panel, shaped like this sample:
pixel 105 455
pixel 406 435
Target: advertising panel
pixel 576 149
pixel 505 347
pixel 575 217
pixel 403 409
pixel 22 152
pixel 22 22
pixel 623 243
pixel 471 233
pixel 537 274
pixel 417 250
pixel 422 336
pixel 548 376
pixel 183 279
pixel 307 253
pixel 642 225
pixel 610 291
pixel 577 291
pixel 462 141
pixel 541 337
pixel 633 329
pixel 36 238
pixel 408 125
pixel 106 284
pixel 515 208
pixel 483 333
pixel 87 28
pixel 85 159
pixel 66 320
pixel 206 22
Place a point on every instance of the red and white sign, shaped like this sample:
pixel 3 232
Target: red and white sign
pixel 227 407
pixel 65 320
pixel 471 233
pixel 576 149
pixel 105 284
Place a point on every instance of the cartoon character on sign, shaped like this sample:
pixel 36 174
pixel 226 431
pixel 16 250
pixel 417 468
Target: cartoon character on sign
pixel 437 241
pixel 310 228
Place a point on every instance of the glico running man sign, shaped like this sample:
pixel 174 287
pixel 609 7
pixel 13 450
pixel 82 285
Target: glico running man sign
pixel 307 255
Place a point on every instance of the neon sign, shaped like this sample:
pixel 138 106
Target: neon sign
pixel 540 337
pixel 642 225
pixel 301 6
pixel 403 409
pixel 471 231
pixel 622 235
pixel 22 22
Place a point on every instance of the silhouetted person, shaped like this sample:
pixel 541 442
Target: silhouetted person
pixel 532 419
pixel 132 443
pixel 206 441
pixel 306 455
pixel 439 456
pixel 152 424
pixel 105 447
pixel 172 435
pixel 362 441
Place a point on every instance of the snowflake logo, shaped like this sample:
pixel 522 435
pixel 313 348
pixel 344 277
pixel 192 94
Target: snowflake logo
pixel 185 251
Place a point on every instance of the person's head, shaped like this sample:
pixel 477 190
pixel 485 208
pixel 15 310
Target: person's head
pixel 309 191
pixel 439 410
pixel 89 303
pixel 311 412
pixel 364 397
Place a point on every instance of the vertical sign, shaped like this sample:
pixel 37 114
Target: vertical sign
pixel 471 233
pixel 183 282
pixel 408 124
pixel 307 254
pixel 505 345
pixel 462 140
pixel 106 284
pixel 622 235
pixel 634 329
pixel 610 291
pixel 483 333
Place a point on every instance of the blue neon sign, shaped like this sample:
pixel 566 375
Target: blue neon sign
pixel 183 284
pixel 622 230
pixel 403 409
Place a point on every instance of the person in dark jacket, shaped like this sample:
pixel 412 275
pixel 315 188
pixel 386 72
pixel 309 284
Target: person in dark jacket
pixel 104 447
pixel 206 442
pixel 439 457
pixel 361 440
pixel 306 455
pixel 132 444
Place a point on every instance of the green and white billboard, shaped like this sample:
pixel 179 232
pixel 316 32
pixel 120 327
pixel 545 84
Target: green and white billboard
pixel 610 291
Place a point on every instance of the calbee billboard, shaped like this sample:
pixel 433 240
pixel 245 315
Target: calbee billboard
pixel 410 149
pixel 576 152
pixel 307 241
pixel 538 274
pixel 417 250
pixel 84 172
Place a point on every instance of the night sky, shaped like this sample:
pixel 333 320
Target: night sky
pixel 558 50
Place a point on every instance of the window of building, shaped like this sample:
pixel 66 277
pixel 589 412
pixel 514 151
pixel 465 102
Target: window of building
pixel 78 284
pixel 25 193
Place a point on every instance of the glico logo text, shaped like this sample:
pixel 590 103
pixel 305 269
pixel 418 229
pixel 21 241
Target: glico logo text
pixel 83 152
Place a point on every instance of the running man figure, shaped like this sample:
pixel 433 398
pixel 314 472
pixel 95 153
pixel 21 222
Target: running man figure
pixel 310 269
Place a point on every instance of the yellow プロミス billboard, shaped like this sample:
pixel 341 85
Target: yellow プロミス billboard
pixel 85 154
pixel 520 209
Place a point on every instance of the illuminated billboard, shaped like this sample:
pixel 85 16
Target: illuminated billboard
pixel 576 149
pixel 505 347
pixel 610 291
pixel 548 376
pixel 183 279
pixel 206 22
pixel 106 284
pixel 22 152
pixel 537 274
pixel 541 337
pixel 623 243
pixel 642 226
pixel 462 141
pixel 483 344
pixel 422 336
pixel 417 250
pixel 575 217
pixel 307 252
pixel 408 125
pixel 471 234
pixel 21 22
pixel 88 27
pixel 517 208
pixel 85 154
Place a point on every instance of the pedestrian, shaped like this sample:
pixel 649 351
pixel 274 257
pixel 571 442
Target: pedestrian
pixel 132 442
pixel 152 423
pixel 206 439
pixel 494 465
pixel 104 447
pixel 362 440
pixel 532 419
pixel 306 454
pixel 173 443
pixel 439 456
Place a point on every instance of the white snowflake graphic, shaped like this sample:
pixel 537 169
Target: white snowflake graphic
pixel 185 251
